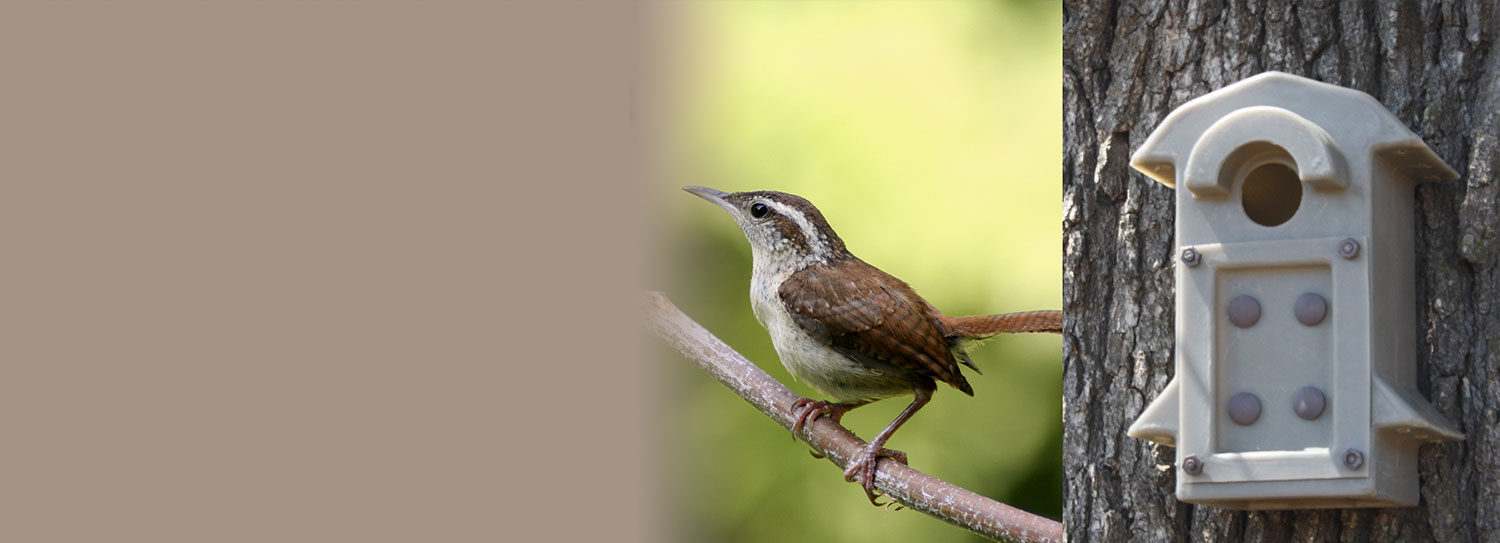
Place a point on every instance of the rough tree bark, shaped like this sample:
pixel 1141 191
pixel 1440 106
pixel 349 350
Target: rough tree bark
pixel 1126 65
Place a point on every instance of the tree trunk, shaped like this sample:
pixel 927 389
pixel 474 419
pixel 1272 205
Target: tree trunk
pixel 1126 65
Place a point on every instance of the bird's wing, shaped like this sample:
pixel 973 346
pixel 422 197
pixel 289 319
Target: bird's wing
pixel 873 318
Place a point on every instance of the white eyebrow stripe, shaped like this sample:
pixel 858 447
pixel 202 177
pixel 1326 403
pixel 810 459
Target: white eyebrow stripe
pixel 815 241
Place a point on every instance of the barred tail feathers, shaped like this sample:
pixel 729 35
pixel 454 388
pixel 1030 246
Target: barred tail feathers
pixel 984 326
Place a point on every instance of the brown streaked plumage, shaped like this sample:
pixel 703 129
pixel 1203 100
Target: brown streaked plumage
pixel 846 328
pixel 874 318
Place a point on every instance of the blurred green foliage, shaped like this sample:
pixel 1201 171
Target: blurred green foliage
pixel 929 134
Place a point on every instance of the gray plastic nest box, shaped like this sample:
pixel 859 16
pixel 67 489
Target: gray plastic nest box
pixel 1296 335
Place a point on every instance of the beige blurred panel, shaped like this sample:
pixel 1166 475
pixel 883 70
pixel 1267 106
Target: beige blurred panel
pixel 325 271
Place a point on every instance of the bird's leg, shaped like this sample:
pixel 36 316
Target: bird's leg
pixel 806 410
pixel 861 467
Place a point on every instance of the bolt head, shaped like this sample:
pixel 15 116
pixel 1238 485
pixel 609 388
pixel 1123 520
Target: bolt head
pixel 1308 402
pixel 1349 248
pixel 1244 408
pixel 1192 465
pixel 1244 311
pixel 1310 309
pixel 1191 257
pixel 1353 459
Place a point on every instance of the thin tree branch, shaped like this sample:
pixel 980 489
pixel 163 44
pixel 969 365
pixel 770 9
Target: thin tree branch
pixel 914 489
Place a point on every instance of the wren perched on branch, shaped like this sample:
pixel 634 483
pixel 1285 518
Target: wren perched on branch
pixel 847 329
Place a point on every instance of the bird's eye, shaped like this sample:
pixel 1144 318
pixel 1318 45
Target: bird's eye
pixel 759 210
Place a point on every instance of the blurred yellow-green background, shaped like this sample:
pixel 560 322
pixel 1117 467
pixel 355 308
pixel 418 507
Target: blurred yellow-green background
pixel 929 134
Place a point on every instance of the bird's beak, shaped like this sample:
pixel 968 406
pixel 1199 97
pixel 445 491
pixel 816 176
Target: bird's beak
pixel 718 197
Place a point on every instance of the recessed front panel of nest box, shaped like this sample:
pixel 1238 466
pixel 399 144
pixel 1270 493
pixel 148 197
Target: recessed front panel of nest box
pixel 1281 397
pixel 1260 348
pixel 1295 299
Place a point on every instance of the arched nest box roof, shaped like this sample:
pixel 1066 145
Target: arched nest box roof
pixel 1292 112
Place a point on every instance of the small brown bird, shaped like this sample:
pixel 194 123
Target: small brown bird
pixel 847 329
